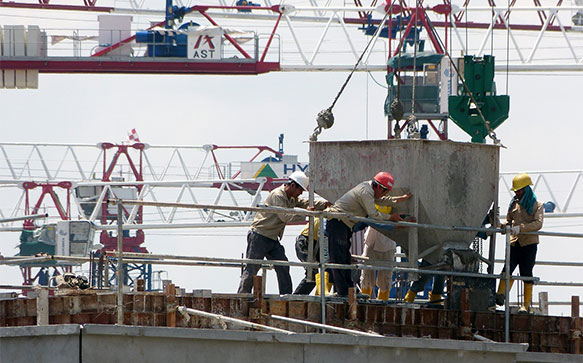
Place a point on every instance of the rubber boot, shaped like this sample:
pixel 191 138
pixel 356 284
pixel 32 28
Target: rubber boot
pixel 525 308
pixel 327 286
pixel 367 292
pixel 500 295
pixel 435 298
pixel 317 278
pixel 328 283
pixel 410 297
pixel 383 295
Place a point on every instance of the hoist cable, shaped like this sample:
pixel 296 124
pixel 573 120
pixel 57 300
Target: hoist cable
pixel 373 38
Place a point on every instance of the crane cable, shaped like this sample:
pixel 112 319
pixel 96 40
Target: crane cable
pixel 396 107
pixel 412 123
pixel 325 117
pixel 491 132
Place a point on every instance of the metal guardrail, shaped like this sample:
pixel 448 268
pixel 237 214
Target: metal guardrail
pixel 128 257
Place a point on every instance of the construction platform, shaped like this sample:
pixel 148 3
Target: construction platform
pixel 422 329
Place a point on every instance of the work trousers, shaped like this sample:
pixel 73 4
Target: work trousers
pixel 383 277
pixel 339 235
pixel 523 257
pixel 260 247
pixel 438 281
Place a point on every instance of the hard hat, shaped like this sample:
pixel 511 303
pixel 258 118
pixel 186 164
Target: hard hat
pixel 385 179
pixel 520 181
pixel 300 178
pixel 384 208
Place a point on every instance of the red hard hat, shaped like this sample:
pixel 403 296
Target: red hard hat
pixel 385 179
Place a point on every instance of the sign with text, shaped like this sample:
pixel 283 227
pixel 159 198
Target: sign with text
pixel 205 44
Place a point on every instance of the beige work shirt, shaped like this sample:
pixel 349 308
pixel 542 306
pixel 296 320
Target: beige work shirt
pixel 517 216
pixel 272 225
pixel 360 201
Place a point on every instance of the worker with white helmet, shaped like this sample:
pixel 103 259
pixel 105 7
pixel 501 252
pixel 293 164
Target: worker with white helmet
pixel 267 230
pixel 525 214
pixel 359 201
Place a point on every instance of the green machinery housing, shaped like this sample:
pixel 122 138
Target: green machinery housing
pixel 476 91
pixel 479 79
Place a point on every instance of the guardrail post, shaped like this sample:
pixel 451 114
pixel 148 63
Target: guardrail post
pixel 119 263
pixel 507 288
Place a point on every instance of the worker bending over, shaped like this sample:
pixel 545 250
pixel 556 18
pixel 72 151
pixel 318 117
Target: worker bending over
pixel 267 230
pixel 359 201
pixel 379 248
pixel 525 214
pixel 306 286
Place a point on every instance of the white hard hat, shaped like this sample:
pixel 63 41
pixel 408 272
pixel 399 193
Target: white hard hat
pixel 300 178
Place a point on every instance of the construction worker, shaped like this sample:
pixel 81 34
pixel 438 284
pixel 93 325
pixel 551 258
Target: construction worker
pixel 359 201
pixel 267 230
pixel 525 214
pixel 305 287
pixel 378 247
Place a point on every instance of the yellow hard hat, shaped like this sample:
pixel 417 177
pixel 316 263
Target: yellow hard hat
pixel 384 208
pixel 520 181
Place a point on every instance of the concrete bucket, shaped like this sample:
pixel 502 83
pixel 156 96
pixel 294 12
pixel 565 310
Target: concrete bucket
pixel 454 183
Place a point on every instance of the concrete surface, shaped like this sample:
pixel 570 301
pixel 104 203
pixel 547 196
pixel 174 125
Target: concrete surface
pixel 106 343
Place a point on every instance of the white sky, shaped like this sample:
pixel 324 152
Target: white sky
pixel 543 133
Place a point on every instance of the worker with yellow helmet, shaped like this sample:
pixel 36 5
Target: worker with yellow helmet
pixel 525 214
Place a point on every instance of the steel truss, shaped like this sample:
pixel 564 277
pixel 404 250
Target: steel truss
pixel 541 37
pixel 178 173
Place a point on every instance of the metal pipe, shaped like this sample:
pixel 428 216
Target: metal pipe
pixel 330 215
pixel 185 310
pixel 323 326
pixel 507 288
pixel 18 260
pixel 553 263
pixel 23 218
pixel 119 262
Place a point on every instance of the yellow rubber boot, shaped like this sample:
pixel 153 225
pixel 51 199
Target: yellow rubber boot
pixel 435 298
pixel 367 292
pixel 500 295
pixel 328 285
pixel 525 308
pixel 502 286
pixel 384 295
pixel 410 297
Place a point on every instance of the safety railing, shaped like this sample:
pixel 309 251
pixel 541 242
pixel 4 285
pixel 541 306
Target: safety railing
pixel 127 257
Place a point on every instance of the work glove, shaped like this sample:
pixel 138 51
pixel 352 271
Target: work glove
pixel 515 230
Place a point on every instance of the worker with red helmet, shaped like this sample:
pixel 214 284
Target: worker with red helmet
pixel 359 201
pixel 267 230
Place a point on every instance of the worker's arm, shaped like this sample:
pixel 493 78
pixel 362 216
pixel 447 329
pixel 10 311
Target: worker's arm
pixel 402 198
pixel 280 201
pixel 536 224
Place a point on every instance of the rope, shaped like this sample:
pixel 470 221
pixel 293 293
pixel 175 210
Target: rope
pixel 325 117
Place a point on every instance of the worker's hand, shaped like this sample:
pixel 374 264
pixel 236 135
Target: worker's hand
pixel 310 208
pixel 406 196
pixel 410 219
pixel 515 230
pixel 395 217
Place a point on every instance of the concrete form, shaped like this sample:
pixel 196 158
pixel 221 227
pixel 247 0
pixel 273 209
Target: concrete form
pixel 454 184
